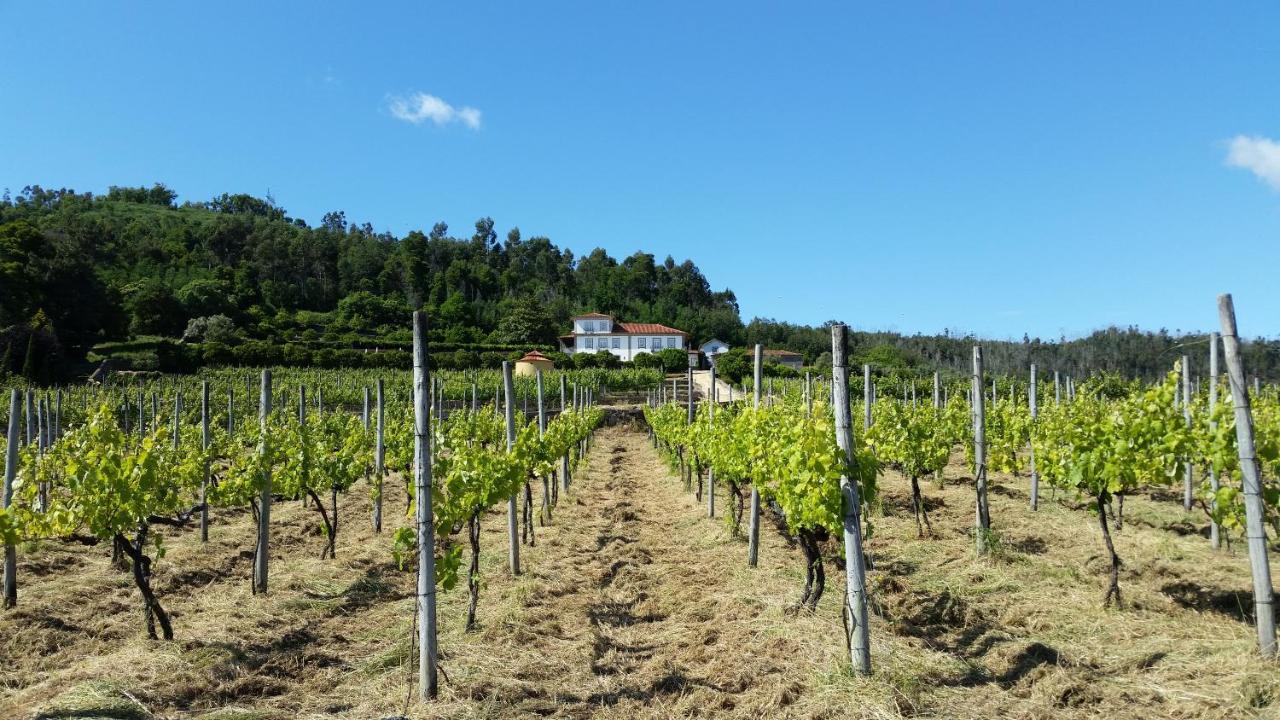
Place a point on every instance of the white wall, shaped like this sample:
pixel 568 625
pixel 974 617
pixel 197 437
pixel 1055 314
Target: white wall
pixel 714 347
pixel 628 346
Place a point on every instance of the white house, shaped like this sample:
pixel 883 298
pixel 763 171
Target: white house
pixel 712 349
pixel 594 332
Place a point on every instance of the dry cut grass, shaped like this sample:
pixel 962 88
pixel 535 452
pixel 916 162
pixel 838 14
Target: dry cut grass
pixel 633 604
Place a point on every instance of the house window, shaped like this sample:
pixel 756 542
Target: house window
pixel 642 342
pixel 587 343
pixel 671 342
pixel 617 343
pixel 657 343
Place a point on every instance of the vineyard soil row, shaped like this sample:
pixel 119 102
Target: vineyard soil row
pixel 633 604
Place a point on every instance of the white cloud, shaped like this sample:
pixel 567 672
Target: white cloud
pixel 1258 155
pixel 420 107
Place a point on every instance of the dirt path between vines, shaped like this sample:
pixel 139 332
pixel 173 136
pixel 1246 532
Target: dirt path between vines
pixel 631 609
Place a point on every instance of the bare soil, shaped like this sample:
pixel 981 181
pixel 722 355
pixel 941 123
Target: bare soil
pixel 634 604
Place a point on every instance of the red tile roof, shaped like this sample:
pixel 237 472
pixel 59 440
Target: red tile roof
pixel 650 329
pixel 534 356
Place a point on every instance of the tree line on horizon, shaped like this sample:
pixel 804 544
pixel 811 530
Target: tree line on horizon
pixel 236 280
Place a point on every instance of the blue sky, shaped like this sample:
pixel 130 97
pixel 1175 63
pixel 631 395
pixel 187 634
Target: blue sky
pixel 998 168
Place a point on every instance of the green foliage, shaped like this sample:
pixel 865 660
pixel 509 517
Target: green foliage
pixel 212 329
pixel 735 364
pixel 673 359
pixel 791 457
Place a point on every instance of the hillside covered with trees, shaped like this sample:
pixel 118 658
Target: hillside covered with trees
pixel 236 280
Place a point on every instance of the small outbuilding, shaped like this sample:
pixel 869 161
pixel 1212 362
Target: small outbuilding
pixel 532 362
pixel 785 358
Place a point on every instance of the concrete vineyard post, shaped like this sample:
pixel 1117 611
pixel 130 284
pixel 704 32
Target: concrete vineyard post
pixel 753 527
pixel 711 473
pixel 231 411
pixel 1215 532
pixel 1187 492
pixel 983 524
pixel 937 390
pixel 10 472
pixel 379 455
pixel 302 421
pixel 364 410
pixel 1031 446
pixel 564 460
pixel 808 392
pixel 204 445
pixel 30 415
pixel 177 417
pixel 425 519
pixel 854 563
pixel 866 396
pixel 542 431
pixel 1057 388
pixel 264 490
pixel 1255 531
pixel 513 532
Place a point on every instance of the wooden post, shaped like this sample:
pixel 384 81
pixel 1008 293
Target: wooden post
pixel 264 492
pixel 11 472
pixel 1031 446
pixel 426 520
pixel 753 527
pixel 854 562
pixel 1187 493
pixel 513 532
pixel 204 445
pixel 1255 531
pixel 1215 532
pixel 983 525
pixel 379 457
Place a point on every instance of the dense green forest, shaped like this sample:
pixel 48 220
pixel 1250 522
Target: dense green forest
pixel 236 280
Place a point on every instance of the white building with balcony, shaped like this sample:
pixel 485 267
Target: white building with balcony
pixel 594 332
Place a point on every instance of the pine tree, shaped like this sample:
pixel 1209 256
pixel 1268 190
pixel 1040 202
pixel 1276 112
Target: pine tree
pixel 30 367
